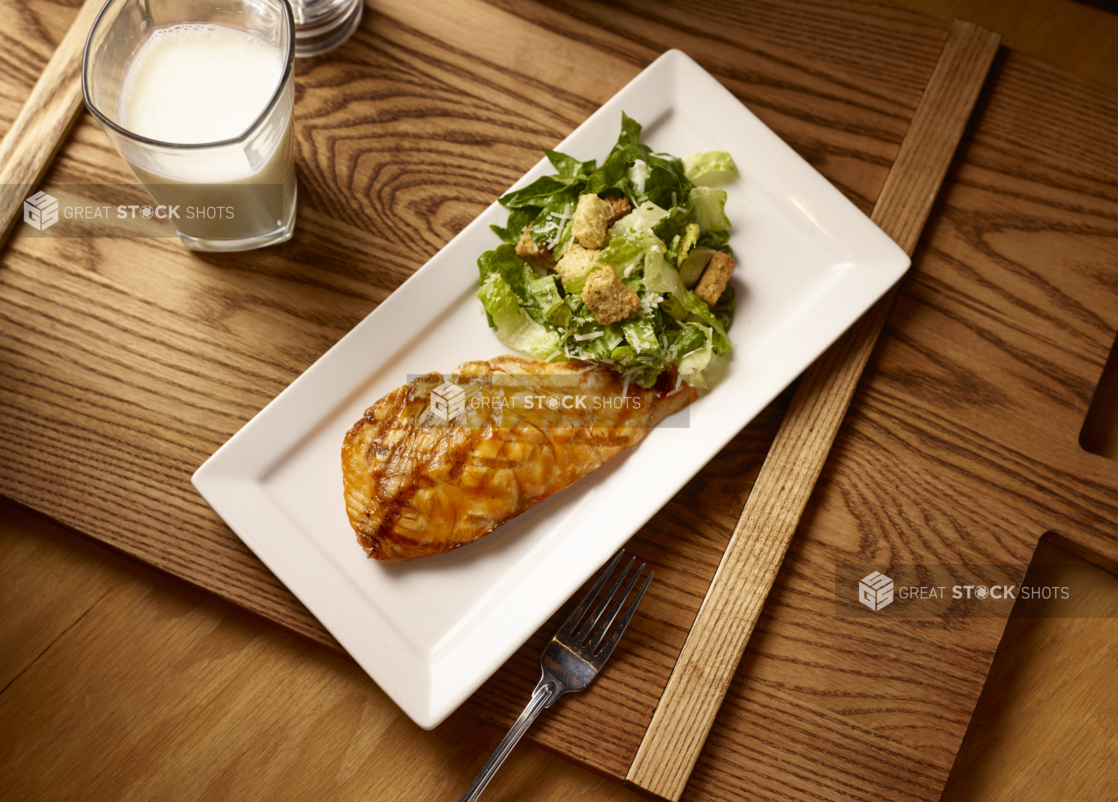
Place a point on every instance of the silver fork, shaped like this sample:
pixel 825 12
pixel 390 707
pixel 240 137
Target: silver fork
pixel 573 657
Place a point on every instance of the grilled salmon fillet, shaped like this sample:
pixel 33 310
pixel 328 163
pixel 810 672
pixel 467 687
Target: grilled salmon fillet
pixel 435 465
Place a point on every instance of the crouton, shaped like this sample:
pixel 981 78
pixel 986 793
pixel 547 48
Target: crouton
pixel 608 298
pixel 618 208
pixel 575 262
pixel 589 221
pixel 715 277
pixel 533 253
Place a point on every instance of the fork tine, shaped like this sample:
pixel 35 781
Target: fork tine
pixel 615 602
pixel 592 619
pixel 575 618
pixel 601 655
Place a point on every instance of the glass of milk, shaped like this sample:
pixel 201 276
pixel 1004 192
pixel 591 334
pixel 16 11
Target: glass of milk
pixel 198 98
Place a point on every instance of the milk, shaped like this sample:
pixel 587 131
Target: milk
pixel 202 83
pixel 198 82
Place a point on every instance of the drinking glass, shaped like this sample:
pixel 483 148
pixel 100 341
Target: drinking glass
pixel 253 174
pixel 322 25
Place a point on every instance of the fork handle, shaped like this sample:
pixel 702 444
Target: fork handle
pixel 542 696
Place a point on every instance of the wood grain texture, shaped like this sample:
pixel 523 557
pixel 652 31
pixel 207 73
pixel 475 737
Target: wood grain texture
pixel 1100 428
pixel 126 363
pixel 1042 728
pixel 140 688
pixel 51 580
pixel 247 711
pixel 714 646
pixel 1076 36
pixel 684 541
pixel 960 447
pixel 29 145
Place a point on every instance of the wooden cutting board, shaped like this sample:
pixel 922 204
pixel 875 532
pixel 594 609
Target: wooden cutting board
pixel 962 446
pixel 131 361
pixel 127 363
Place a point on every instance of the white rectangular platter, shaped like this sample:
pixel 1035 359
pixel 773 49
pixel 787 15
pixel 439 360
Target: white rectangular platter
pixel 431 631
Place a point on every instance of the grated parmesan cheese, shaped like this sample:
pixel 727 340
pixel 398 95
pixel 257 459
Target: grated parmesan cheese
pixel 562 226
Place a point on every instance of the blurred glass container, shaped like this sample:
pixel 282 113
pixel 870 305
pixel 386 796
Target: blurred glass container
pixel 322 25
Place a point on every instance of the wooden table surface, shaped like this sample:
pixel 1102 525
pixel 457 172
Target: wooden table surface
pixel 1024 235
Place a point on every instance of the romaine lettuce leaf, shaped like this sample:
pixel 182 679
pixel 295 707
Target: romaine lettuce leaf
pixel 692 364
pixel 659 276
pixel 518 220
pixel 568 166
pixel 696 306
pixel 709 206
pixel 541 192
pixel 516 273
pixel 547 203
pixel 673 229
pixel 549 300
pixel 644 217
pixel 598 341
pixel 723 310
pixel 638 175
pixel 688 241
pixel 709 167
pixel 665 184
pixel 641 336
pixel 514 327
pixel 673 250
pixel 689 337
pixel 694 265
pixel 671 306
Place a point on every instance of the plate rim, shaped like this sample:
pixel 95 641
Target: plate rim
pixel 237 471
